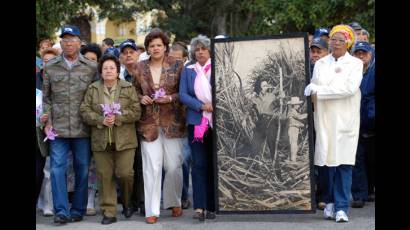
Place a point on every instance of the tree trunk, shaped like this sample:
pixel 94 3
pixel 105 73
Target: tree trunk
pixel 220 22
pixel 85 28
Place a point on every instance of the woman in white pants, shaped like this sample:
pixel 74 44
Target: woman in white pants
pixel 161 127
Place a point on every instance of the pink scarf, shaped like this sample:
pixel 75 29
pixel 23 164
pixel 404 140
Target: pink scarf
pixel 203 92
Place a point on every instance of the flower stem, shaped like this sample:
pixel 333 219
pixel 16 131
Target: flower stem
pixel 109 135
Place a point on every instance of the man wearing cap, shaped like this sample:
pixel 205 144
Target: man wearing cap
pixel 318 49
pixel 66 79
pixel 129 56
pixel 322 33
pixel 356 27
pixel 365 148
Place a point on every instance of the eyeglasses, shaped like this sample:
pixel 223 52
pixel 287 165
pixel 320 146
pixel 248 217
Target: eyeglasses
pixel 67 40
pixel 339 40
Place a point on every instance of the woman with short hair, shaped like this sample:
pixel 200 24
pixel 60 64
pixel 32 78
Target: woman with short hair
pixel 113 134
pixel 161 127
pixel 196 93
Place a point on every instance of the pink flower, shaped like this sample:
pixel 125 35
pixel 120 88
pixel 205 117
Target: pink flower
pixel 108 111
pixel 51 135
pixel 111 109
pixel 116 108
pixel 159 93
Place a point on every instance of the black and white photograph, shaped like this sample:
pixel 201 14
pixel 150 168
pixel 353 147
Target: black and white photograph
pixel 263 141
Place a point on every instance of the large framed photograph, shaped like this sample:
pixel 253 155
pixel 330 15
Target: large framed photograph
pixel 263 125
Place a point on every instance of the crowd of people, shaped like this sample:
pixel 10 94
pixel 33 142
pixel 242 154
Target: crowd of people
pixel 133 122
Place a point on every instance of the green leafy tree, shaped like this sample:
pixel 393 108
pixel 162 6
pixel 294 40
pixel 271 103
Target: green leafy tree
pixel 52 14
pixel 188 18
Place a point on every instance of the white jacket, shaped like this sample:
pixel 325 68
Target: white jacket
pixel 337 109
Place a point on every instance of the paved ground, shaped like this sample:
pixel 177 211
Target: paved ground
pixel 359 219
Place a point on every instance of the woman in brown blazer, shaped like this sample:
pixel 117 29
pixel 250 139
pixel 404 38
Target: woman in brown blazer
pixel 161 127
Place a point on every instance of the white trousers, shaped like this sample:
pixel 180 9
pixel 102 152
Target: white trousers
pixel 45 201
pixel 167 151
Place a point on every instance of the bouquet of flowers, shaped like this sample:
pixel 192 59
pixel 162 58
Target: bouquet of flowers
pixel 108 111
pixel 158 93
pixel 51 135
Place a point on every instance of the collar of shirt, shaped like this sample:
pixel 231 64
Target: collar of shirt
pixel 341 58
pixel 70 63
pixel 127 76
pixel 109 94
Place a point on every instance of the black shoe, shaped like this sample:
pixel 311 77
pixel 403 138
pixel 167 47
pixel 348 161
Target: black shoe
pixel 127 212
pixel 210 215
pixel 199 215
pixel 142 210
pixel 357 204
pixel 59 219
pixel 70 197
pixel 371 198
pixel 108 220
pixel 76 218
pixel 185 204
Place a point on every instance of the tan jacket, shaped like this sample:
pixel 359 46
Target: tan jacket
pixel 170 116
pixel 124 132
pixel 63 92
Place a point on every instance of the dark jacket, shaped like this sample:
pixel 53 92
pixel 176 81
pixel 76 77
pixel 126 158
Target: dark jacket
pixel 124 132
pixel 367 107
pixel 63 92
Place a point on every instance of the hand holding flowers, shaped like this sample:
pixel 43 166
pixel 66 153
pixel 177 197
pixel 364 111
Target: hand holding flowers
pixel 50 133
pixel 160 96
pixel 109 112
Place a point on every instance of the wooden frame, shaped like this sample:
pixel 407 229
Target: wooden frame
pixel 261 119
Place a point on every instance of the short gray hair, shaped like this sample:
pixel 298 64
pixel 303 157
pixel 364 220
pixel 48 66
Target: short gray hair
pixel 366 33
pixel 200 39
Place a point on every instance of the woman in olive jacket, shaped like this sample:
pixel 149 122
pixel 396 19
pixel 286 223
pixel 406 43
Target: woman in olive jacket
pixel 113 137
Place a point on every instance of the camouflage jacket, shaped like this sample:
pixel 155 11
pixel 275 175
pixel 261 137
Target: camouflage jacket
pixel 171 116
pixel 124 133
pixel 63 92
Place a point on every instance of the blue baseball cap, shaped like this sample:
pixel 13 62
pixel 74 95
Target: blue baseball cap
pixel 365 46
pixel 319 43
pixel 126 43
pixel 321 31
pixel 68 29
